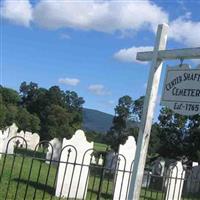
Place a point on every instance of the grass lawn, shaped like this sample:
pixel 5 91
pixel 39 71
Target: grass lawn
pixel 26 185
pixel 39 185
pixel 100 146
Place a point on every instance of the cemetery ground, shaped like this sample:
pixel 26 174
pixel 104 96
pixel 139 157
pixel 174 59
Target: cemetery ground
pixel 27 176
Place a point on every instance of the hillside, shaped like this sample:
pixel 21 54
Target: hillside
pixel 94 120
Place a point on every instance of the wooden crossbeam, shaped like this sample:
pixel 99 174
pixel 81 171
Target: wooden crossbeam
pixel 173 54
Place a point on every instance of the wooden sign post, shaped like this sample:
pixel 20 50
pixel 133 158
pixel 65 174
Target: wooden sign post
pixel 156 56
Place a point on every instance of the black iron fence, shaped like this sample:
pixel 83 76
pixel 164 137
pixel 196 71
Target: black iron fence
pixel 27 174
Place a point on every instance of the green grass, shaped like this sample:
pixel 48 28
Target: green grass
pixel 38 179
pixel 40 186
pixel 100 146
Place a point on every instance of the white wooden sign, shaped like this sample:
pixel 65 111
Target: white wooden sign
pixel 181 91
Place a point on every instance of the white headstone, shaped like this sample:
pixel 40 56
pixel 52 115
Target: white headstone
pixel 74 177
pixel 125 164
pixel 34 142
pixel 93 161
pixel 28 137
pixel 100 161
pixel 54 147
pixel 195 164
pixel 176 175
pixel 13 130
pixel 6 143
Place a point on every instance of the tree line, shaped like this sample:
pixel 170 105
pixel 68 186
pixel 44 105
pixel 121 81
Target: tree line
pixel 56 113
pixel 51 112
pixel 172 136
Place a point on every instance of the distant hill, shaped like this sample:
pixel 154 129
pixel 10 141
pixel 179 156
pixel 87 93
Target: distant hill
pixel 94 120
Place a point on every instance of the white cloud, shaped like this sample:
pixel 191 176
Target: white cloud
pixel 129 55
pixel 185 31
pixel 98 89
pixel 69 81
pixel 17 11
pixel 104 16
pixel 126 17
pixel 65 36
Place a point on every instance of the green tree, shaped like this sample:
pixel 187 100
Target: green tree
pixel 51 106
pixel 27 121
pixel 127 114
pixel 3 111
pixel 74 105
pixel 56 123
pixel 173 128
pixel 192 139
pixel 9 96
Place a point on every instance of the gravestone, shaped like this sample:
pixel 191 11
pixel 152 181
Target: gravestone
pixel 20 141
pixel 32 140
pixel 28 137
pixel 6 143
pixel 195 164
pixel 158 167
pixel 100 160
pixel 157 174
pixel 125 164
pixel 146 179
pixel 35 139
pixel 54 147
pixel 72 179
pixel 93 161
pixel 111 162
pixel 175 181
pixel 193 181
pixel 12 130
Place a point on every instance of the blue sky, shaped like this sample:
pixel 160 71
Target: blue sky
pixel 90 46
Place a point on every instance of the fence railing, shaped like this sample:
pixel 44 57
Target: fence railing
pixel 27 174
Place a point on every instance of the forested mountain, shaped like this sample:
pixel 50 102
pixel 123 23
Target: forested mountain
pixel 94 120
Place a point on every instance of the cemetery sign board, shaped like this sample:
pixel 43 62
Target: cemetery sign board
pixel 181 91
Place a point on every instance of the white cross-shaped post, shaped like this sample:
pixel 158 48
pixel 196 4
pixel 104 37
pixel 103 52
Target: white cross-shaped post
pixel 156 57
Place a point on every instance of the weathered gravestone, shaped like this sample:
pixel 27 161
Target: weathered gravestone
pixel 175 181
pixel 28 140
pixel 111 162
pixel 54 150
pixel 125 159
pixel 158 170
pixel 72 179
pixel 193 181
pixel 146 178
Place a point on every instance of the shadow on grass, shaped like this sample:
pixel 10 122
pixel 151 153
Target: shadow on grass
pixel 37 186
pixel 103 195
